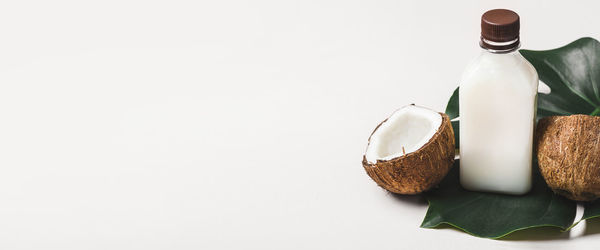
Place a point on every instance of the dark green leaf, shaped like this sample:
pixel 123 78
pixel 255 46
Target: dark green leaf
pixel 452 106
pixel 495 215
pixel 592 210
pixel 452 112
pixel 573 74
pixel 455 126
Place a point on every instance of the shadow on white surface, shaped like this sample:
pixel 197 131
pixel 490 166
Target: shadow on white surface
pixel 532 234
pixel 537 234
pixel 413 200
pixel 592 226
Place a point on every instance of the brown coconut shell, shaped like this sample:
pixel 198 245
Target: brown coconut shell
pixel 568 152
pixel 417 171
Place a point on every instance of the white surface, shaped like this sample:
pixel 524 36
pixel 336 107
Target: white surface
pixel 231 124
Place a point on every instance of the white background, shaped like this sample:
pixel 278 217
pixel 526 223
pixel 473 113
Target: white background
pixel 233 124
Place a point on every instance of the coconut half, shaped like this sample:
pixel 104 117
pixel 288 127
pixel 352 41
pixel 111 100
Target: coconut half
pixel 568 152
pixel 411 151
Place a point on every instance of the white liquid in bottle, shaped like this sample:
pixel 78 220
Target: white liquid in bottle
pixel 497 99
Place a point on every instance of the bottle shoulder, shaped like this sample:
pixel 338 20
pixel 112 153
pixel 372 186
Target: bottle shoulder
pixel 505 70
pixel 500 66
pixel 530 68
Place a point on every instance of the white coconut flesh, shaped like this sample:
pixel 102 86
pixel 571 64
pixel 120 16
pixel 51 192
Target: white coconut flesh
pixel 406 131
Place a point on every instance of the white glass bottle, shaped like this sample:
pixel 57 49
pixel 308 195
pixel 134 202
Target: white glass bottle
pixel 497 97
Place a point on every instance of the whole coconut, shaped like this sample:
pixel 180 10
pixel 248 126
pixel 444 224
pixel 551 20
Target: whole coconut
pixel 568 152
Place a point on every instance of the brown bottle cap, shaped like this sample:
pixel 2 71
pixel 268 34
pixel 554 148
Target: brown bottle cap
pixel 500 30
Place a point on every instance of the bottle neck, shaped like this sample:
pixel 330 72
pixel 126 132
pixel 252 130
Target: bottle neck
pixel 500 47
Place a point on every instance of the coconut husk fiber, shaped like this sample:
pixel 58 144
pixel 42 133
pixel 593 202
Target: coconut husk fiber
pixel 568 152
